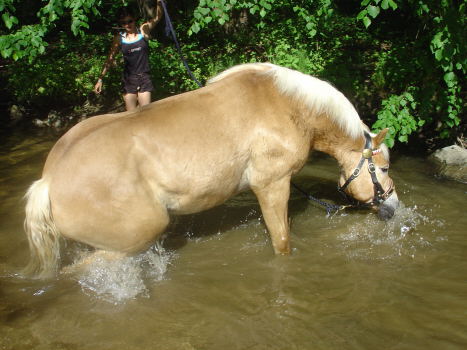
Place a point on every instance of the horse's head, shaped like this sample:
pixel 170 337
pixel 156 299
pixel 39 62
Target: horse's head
pixel 365 177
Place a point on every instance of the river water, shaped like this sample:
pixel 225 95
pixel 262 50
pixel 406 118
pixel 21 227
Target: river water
pixel 351 282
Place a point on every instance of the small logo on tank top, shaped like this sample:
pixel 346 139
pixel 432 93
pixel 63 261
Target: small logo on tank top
pixel 135 49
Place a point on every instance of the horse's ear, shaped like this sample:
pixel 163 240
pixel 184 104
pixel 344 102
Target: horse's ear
pixel 379 139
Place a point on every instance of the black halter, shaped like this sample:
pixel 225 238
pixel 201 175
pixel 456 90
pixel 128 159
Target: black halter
pixel 380 195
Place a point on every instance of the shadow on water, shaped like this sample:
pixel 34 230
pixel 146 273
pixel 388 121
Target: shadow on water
pixel 244 208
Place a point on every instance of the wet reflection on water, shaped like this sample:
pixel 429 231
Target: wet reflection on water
pixel 352 281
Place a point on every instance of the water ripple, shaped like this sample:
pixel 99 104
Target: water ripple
pixel 117 281
pixel 404 235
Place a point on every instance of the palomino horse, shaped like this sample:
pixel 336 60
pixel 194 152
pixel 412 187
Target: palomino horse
pixel 113 181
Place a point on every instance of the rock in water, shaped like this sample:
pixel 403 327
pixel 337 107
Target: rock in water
pixel 451 162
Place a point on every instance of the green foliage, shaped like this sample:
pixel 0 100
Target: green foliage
pixel 448 48
pixel 444 23
pixel 6 6
pixel 313 17
pixel 69 80
pixel 27 41
pixel 298 57
pixel 307 12
pixel 372 8
pixel 209 10
pixel 398 113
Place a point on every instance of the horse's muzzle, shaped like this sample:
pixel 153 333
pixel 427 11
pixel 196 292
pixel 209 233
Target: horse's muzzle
pixel 388 207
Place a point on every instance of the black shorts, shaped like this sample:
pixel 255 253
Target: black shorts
pixel 134 83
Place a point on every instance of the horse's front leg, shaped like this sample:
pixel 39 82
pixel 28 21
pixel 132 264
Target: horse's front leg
pixel 273 199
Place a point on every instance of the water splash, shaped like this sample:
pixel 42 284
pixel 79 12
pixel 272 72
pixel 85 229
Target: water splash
pixel 119 280
pixel 404 235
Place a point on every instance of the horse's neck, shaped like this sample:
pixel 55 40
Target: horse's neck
pixel 333 141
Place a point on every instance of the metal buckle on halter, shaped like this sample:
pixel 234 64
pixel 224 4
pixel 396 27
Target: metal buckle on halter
pixel 356 172
pixel 371 167
pixel 367 153
pixel 388 193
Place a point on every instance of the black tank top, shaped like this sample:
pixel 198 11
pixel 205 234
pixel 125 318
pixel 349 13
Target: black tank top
pixel 135 55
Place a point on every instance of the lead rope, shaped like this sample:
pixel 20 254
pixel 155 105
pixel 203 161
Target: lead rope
pixel 169 30
pixel 331 209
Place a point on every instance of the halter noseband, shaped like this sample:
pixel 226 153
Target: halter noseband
pixel 367 154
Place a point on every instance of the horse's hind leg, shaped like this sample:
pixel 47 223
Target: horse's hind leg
pixel 83 263
pixel 116 237
pixel 273 199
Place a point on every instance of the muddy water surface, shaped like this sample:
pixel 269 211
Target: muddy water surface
pixel 352 281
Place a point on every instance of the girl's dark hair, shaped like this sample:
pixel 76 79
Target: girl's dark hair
pixel 126 12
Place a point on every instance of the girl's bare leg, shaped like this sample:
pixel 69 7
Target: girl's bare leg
pixel 144 98
pixel 131 100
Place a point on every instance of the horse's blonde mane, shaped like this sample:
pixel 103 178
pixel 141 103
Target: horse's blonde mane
pixel 316 94
pixel 240 68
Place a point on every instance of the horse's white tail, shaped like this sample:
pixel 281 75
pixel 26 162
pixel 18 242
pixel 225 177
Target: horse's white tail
pixel 42 234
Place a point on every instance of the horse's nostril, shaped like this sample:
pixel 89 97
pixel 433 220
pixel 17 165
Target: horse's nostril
pixel 386 212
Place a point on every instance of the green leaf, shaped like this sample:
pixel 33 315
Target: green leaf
pixel 9 20
pixel 254 9
pixel 439 55
pixel 450 78
pixel 373 11
pixel 366 21
pixel 361 14
pixel 7 52
pixel 392 4
pixel 204 11
pixel 195 27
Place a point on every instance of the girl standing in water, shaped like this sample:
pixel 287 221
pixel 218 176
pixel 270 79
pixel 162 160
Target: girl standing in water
pixel 133 43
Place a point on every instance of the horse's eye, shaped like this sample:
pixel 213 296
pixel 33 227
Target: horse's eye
pixel 385 169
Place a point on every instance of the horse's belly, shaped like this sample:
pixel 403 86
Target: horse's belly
pixel 199 197
pixel 189 205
